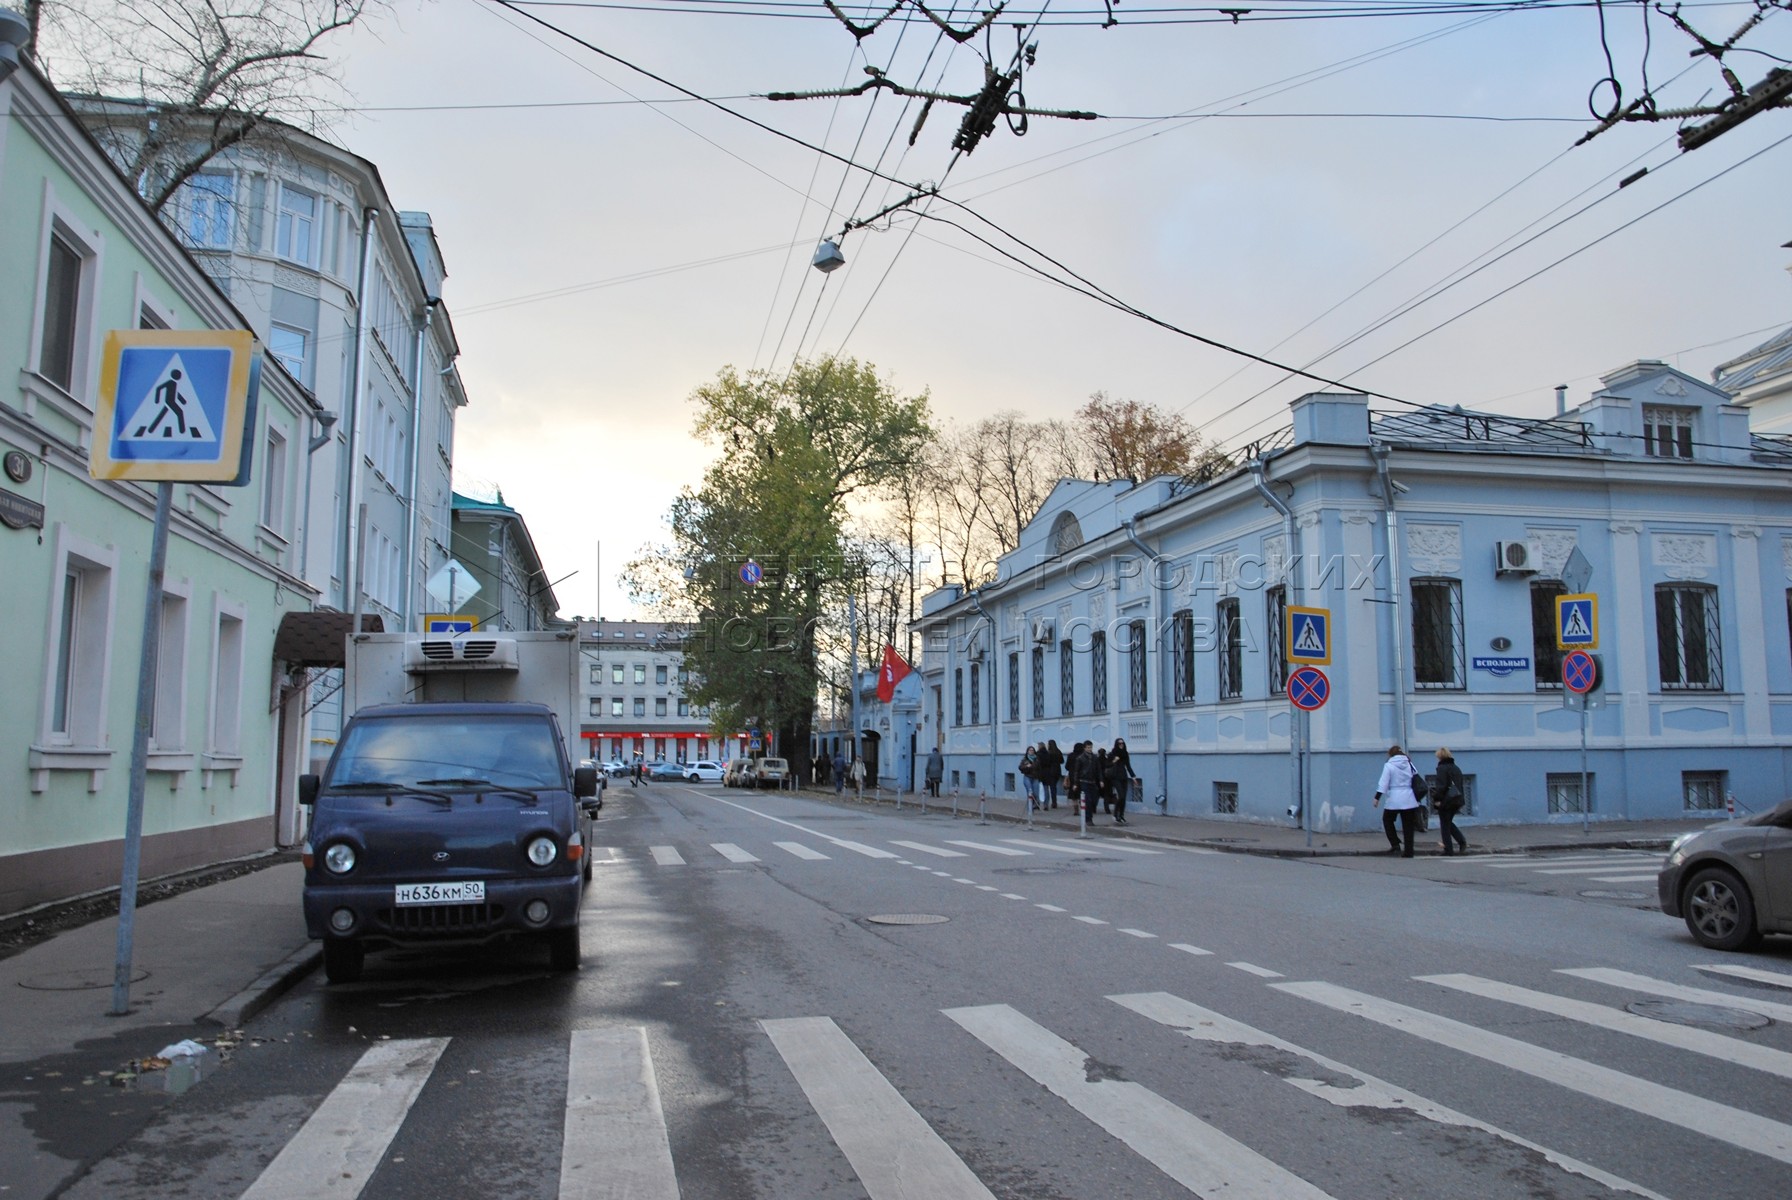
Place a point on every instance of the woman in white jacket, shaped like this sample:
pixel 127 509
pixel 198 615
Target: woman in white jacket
pixel 1397 786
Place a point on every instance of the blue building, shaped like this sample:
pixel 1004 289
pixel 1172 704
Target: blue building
pixel 1435 543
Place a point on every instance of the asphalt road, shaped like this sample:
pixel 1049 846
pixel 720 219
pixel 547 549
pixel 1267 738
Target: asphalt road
pixel 1044 1018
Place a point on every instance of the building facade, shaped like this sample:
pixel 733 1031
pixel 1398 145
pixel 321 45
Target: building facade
pixel 1434 544
pixel 637 697
pixel 80 254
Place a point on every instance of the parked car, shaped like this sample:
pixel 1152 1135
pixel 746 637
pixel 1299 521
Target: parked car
pixel 1732 882
pixel 738 773
pixel 703 771
pixel 615 768
pixel 663 771
pixel 770 772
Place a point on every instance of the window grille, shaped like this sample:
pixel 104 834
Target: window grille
pixel 1225 797
pixel 1066 678
pixel 1138 692
pixel 1231 633
pixel 1565 793
pixel 1667 432
pixel 1275 622
pixel 1098 672
pixel 1703 791
pixel 1182 656
pixel 976 694
pixel 1014 686
pixel 1437 633
pixel 1038 664
pixel 1546 656
pixel 958 695
pixel 1686 635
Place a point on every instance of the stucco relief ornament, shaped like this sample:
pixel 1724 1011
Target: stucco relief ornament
pixel 1672 387
pixel 1275 561
pixel 1098 610
pixel 1556 545
pixel 1434 549
pixel 1228 565
pixel 1786 556
pixel 1685 556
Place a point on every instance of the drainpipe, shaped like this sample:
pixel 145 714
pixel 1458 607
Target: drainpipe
pixel 347 557
pixel 995 708
pixel 1380 452
pixel 1157 623
pixel 326 421
pixel 415 465
pixel 1297 755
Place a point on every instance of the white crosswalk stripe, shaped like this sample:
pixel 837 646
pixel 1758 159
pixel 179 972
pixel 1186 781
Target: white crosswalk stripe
pixel 666 856
pixel 807 854
pixel 1675 991
pixel 985 846
pixel 733 853
pixel 936 851
pixel 614 1145
pixel 1752 974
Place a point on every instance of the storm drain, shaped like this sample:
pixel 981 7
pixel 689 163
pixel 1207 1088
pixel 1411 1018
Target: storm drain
pixel 906 919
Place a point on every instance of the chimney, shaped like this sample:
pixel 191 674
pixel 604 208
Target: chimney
pixel 1561 399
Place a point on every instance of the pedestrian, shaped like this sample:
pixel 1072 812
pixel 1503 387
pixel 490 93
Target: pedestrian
pixel 936 771
pixel 1051 769
pixel 1090 767
pixel 858 777
pixel 839 766
pixel 1119 782
pixel 1119 751
pixel 1073 777
pixel 1447 798
pixel 1396 784
pixel 1028 784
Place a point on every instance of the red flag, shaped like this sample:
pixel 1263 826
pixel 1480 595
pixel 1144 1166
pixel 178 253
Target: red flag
pixel 890 674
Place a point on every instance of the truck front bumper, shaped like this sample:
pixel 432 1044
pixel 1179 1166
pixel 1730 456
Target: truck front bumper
pixel 368 912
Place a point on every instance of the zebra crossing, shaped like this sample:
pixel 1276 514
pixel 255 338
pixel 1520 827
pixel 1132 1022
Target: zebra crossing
pixel 614 1140
pixel 1606 866
pixel 969 849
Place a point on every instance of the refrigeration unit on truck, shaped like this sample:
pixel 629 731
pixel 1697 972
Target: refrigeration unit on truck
pixel 450 813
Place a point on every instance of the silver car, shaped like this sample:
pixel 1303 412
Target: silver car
pixel 1732 882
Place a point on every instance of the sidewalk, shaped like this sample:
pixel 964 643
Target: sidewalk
pixel 217 955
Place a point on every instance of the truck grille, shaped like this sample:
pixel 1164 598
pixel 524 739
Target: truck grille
pixel 442 920
pixel 471 649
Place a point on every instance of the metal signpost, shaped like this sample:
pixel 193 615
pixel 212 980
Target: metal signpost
pixel 1307 642
pixel 173 406
pixel 1577 631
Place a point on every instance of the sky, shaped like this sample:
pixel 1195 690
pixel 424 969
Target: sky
pixel 1276 185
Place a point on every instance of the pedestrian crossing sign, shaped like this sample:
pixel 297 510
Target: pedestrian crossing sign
pixel 176 405
pixel 1307 634
pixel 1577 622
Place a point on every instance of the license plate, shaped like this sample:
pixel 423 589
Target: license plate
pixel 469 892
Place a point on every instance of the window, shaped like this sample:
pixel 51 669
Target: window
pixel 273 483
pixel 976 694
pixel 659 706
pixel 640 672
pixel 1231 646
pixel 640 706
pixel 1225 797
pixel 168 720
pixel 1038 682
pixel 76 696
pixel 1014 676
pixel 1565 794
pixel 1686 638
pixel 684 677
pixel 1667 432
pixel 616 706
pixel 288 345
pixel 659 674
pixel 295 233
pixel 1546 656
pixel 227 686
pixel 597 675
pixel 1098 672
pixel 1182 656
pixel 958 695
pixel 1437 633
pixel 615 672
pixel 1066 678
pixel 1275 623
pixel 64 310
pixel 1702 791
pixel 596 708
pixel 684 707
pixel 208 210
pixel 1138 693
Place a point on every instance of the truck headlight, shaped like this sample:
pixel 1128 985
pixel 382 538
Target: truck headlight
pixel 339 859
pixel 542 851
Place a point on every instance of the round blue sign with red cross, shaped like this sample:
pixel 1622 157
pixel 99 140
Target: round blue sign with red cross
pixel 1308 688
pixel 1579 672
pixel 751 572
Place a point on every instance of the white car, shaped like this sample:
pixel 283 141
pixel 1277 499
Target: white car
pixel 703 772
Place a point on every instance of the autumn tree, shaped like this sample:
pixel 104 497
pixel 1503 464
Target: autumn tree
pixel 1129 440
pixel 171 84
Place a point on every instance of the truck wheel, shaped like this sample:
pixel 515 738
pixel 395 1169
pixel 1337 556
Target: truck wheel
pixel 586 872
pixel 343 959
pixel 563 949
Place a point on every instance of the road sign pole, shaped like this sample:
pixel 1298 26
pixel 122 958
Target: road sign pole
pixel 146 704
pixel 1586 798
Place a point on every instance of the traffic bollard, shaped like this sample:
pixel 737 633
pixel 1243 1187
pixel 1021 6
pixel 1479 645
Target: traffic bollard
pixel 955 804
pixel 982 812
pixel 1082 821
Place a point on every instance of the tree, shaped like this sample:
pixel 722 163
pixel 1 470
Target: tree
pixel 795 449
pixel 1137 441
pixel 174 83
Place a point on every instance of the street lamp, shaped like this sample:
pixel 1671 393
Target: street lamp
pixel 828 257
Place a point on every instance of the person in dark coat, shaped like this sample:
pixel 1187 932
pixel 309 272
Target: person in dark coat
pixel 1073 771
pixel 936 771
pixel 839 766
pixel 1448 796
pixel 1051 770
pixel 1119 780
pixel 1090 769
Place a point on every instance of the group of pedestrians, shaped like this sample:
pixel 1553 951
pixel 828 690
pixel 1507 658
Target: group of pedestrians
pixel 1090 776
pixel 1408 794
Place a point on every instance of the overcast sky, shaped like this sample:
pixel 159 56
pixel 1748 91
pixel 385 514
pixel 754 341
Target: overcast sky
pixel 612 244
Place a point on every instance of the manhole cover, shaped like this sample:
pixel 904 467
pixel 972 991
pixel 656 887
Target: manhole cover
pixel 906 919
pixel 1599 895
pixel 1029 870
pixel 78 981
pixel 1683 1012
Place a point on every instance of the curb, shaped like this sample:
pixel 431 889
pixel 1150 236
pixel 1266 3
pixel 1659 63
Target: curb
pixel 274 983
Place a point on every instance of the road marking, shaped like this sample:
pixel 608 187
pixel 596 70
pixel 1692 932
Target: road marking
pixel 1188 949
pixel 666 856
pixel 1625 878
pixel 1254 969
pixel 1675 991
pixel 615 856
pixel 1752 974
pixel 1138 933
pixel 1682 1037
pixel 1049 907
pixel 936 851
pixel 972 882
pixel 345 1138
pixel 941 874
pixel 1090 920
pixel 857 847
pixel 984 887
pixel 990 849
pixel 802 851
pixel 732 853
pixel 1205 1025
pixel 1187 1149
pixel 1051 846
pixel 1012 896
pixel 614 1146
pixel 1125 849
pixel 1584 860
pixel 894 1152
pixel 1682 1109
pixel 1581 870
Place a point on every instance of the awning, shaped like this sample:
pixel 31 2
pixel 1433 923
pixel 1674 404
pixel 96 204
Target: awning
pixel 316 639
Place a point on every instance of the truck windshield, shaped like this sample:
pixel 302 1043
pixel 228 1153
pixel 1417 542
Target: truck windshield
pixel 512 752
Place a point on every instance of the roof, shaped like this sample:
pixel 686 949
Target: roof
pixel 1768 358
pixel 1461 428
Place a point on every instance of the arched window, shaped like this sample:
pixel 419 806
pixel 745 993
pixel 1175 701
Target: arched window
pixel 1067 535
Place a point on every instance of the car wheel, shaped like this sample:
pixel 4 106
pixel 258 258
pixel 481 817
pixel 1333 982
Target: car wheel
pixel 563 949
pixel 1719 911
pixel 343 959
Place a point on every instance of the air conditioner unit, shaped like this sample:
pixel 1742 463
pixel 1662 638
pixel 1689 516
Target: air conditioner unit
pixel 1043 633
pixel 1517 558
pixel 463 653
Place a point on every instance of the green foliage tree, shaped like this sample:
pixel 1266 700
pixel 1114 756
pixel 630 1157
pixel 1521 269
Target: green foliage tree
pixel 796 448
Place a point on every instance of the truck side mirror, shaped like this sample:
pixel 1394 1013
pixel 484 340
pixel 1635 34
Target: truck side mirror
pixel 309 786
pixel 584 781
